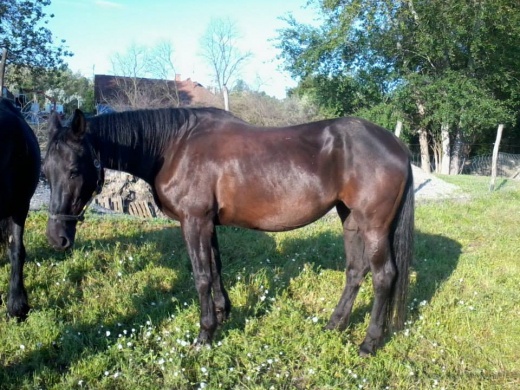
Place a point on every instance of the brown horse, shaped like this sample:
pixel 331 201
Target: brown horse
pixel 207 168
pixel 19 172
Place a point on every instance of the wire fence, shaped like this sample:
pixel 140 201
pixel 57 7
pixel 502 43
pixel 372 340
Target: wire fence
pixel 508 165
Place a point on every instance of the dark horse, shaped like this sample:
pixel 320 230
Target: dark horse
pixel 19 172
pixel 207 168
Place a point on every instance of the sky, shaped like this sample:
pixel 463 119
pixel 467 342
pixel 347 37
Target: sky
pixel 95 30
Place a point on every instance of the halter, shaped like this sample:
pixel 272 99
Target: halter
pixel 99 186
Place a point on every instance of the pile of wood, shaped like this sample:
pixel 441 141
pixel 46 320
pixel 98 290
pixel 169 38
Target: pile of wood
pixel 127 194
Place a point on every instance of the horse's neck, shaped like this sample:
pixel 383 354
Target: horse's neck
pixel 132 158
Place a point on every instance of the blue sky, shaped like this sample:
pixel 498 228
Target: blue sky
pixel 95 30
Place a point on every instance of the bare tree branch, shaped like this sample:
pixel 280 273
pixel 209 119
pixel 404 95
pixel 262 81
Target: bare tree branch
pixel 143 78
pixel 219 48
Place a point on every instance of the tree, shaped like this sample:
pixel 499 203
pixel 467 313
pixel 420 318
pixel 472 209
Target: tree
pixel 411 50
pixel 73 90
pixel 339 95
pixel 54 86
pixel 219 48
pixel 145 77
pixel 263 110
pixel 29 44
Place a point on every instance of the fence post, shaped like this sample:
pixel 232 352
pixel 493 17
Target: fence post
pixel 495 158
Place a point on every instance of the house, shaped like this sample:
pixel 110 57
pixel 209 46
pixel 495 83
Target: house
pixel 119 93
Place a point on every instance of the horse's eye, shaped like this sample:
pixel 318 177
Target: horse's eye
pixel 74 173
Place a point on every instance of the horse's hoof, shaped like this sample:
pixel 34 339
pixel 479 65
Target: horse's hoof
pixel 199 347
pixel 20 313
pixel 367 350
pixel 329 326
pixel 336 325
pixel 222 316
pixel 202 339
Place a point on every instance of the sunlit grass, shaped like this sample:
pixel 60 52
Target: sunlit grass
pixel 121 311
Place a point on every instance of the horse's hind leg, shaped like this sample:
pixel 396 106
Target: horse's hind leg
pixel 17 303
pixel 357 268
pixel 220 295
pixel 377 249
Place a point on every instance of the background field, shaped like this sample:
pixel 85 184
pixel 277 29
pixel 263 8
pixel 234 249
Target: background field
pixel 121 311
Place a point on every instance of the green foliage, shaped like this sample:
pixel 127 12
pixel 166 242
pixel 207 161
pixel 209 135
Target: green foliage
pixel 454 99
pixel 456 59
pixel 30 44
pixel 385 115
pixel 63 86
pixel 339 95
pixel 75 90
pixel 121 311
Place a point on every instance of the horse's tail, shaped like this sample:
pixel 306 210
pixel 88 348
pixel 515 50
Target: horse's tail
pixel 402 242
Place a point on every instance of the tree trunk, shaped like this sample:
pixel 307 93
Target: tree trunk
pixel 398 128
pixel 437 156
pixel 425 151
pixel 423 141
pixel 445 149
pixel 225 93
pixel 456 155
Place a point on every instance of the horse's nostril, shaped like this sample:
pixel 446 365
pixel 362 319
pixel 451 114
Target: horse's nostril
pixel 65 242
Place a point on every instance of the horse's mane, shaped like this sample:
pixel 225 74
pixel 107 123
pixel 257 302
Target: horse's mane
pixel 152 129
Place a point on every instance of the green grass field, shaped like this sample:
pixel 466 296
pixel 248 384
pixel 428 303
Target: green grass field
pixel 121 311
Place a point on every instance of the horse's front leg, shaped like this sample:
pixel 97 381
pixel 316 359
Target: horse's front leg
pixel 198 235
pixel 17 302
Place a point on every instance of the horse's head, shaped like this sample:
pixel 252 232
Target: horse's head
pixel 74 173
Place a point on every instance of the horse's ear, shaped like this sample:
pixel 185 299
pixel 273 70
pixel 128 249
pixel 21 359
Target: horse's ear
pixel 78 125
pixel 54 124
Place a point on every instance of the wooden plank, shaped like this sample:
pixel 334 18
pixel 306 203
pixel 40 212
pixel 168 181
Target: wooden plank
pixel 143 209
pixel 132 210
pixel 117 202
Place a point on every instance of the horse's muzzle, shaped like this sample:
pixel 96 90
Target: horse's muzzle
pixel 61 234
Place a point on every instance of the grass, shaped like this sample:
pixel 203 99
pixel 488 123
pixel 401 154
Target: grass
pixel 121 311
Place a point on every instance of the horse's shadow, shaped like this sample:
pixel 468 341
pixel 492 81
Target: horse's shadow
pixel 435 259
pixel 244 252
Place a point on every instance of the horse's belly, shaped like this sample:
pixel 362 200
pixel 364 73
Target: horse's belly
pixel 274 215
